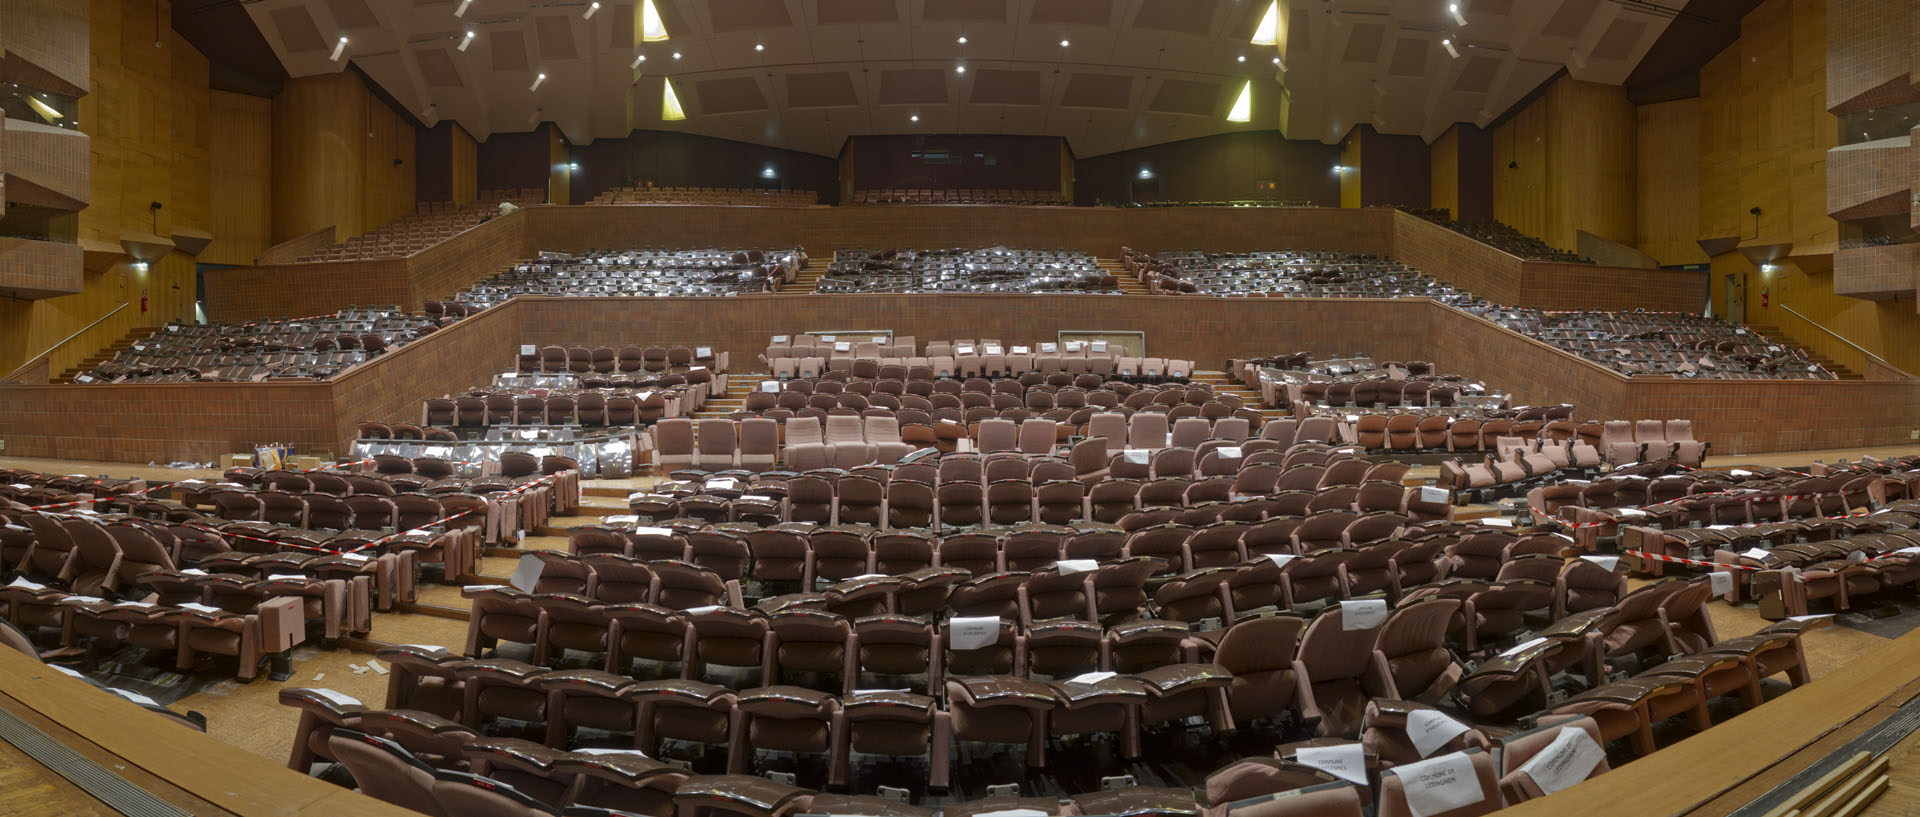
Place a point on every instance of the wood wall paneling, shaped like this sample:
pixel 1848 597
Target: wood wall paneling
pixel 559 167
pixel 1520 171
pixel 464 153
pixel 140 154
pixel 1592 133
pixel 1350 158
pixel 433 162
pixel 334 146
pixel 240 199
pixel 1668 187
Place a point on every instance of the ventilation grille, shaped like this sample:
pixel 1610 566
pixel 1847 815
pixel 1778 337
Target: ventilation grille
pixel 107 787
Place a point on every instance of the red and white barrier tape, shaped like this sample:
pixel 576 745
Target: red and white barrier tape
pixel 1685 561
pixel 109 497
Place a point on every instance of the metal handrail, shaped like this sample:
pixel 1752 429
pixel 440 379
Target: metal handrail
pixel 1862 350
pixel 62 342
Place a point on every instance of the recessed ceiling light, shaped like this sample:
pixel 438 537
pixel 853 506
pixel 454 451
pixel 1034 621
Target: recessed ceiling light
pixel 1243 58
pixel 759 47
pixel 676 55
pixel 913 118
pixel 959 69
pixel 1276 60
pixel 962 41
pixel 1064 43
pixel 637 59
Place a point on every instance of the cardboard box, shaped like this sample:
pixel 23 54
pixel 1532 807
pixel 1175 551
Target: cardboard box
pixel 237 461
pixel 281 624
pixel 307 463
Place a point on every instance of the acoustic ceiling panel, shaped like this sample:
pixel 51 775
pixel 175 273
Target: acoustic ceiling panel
pixel 966 11
pixel 1184 16
pixel 747 15
pixel 1185 97
pixel 297 31
pixel 913 86
pixel 832 89
pixel 1110 91
pixel 997 87
pixel 730 95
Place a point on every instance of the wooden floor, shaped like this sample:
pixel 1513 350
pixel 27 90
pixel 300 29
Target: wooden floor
pixel 28 789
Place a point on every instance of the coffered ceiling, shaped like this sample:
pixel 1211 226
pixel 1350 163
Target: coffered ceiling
pixel 1105 74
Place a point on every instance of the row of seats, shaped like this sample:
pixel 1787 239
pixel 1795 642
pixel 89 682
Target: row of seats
pixel 726 196
pixel 1505 238
pixel 970 195
pixel 920 369
pixel 625 407
pixel 1315 273
pixel 431 223
pixel 627 358
pixel 11 637
pixel 640 273
pixel 856 345
pixel 530 780
pixel 316 348
pixel 984 270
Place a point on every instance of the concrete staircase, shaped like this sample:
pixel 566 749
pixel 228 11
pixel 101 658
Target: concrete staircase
pixel 1774 334
pixel 135 335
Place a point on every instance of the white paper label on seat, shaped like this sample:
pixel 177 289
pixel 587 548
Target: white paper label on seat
pixel 1800 619
pixel 134 697
pixel 1230 452
pixel 1071 566
pixel 973 633
pixel 653 531
pixel 965 350
pixel 140 604
pixel 781 338
pixel 993 348
pixel 1353 418
pixel 1721 527
pixel 1364 614
pixel 723 484
pixel 1049 347
pixel 526 573
pixel 826 338
pixel 703 352
pixel 21 581
pixel 843 346
pixel 1607 563
pixel 770 386
pixel 81 599
pixel 1569 759
pixel 198 608
pixel 1073 346
pixel 1021 350
pixel 336 698
pixel 1523 647
pixel 173 328
pixel 1099 346
pixel 696 368
pixel 1013 812
pixel 1756 553
pixel 1440 785
pixel 1432 495
pixel 759 497
pixel 1280 559
pixel 950 422
pixel 1136 457
pixel 1720 582
pixel 288 577
pixel 879 338
pixel 1740 473
pixel 600 751
pixel 704 609
pixel 528 350
pixel 1091 677
pixel 427 647
pixel 1347 761
pixel 1496 522
pixel 1430 729
pixel 1629 513
pixel 67 671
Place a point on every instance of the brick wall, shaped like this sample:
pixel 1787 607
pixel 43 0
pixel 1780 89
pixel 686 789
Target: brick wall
pixel 40 269
pixel 46 165
pixel 46 45
pixel 164 422
pixel 1868 54
pixel 1868 180
pixel 240 294
pixel 1876 273
pixel 1503 278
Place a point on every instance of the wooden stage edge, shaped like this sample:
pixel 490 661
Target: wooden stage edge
pixel 1704 775
pixel 1717 771
pixel 195 771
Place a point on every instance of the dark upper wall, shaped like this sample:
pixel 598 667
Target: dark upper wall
pixel 969 161
pixel 514 160
pixel 1476 173
pixel 433 163
pixel 1216 168
pixel 669 159
pixel 1394 170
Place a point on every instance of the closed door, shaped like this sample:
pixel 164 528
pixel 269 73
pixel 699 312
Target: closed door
pixel 1736 299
